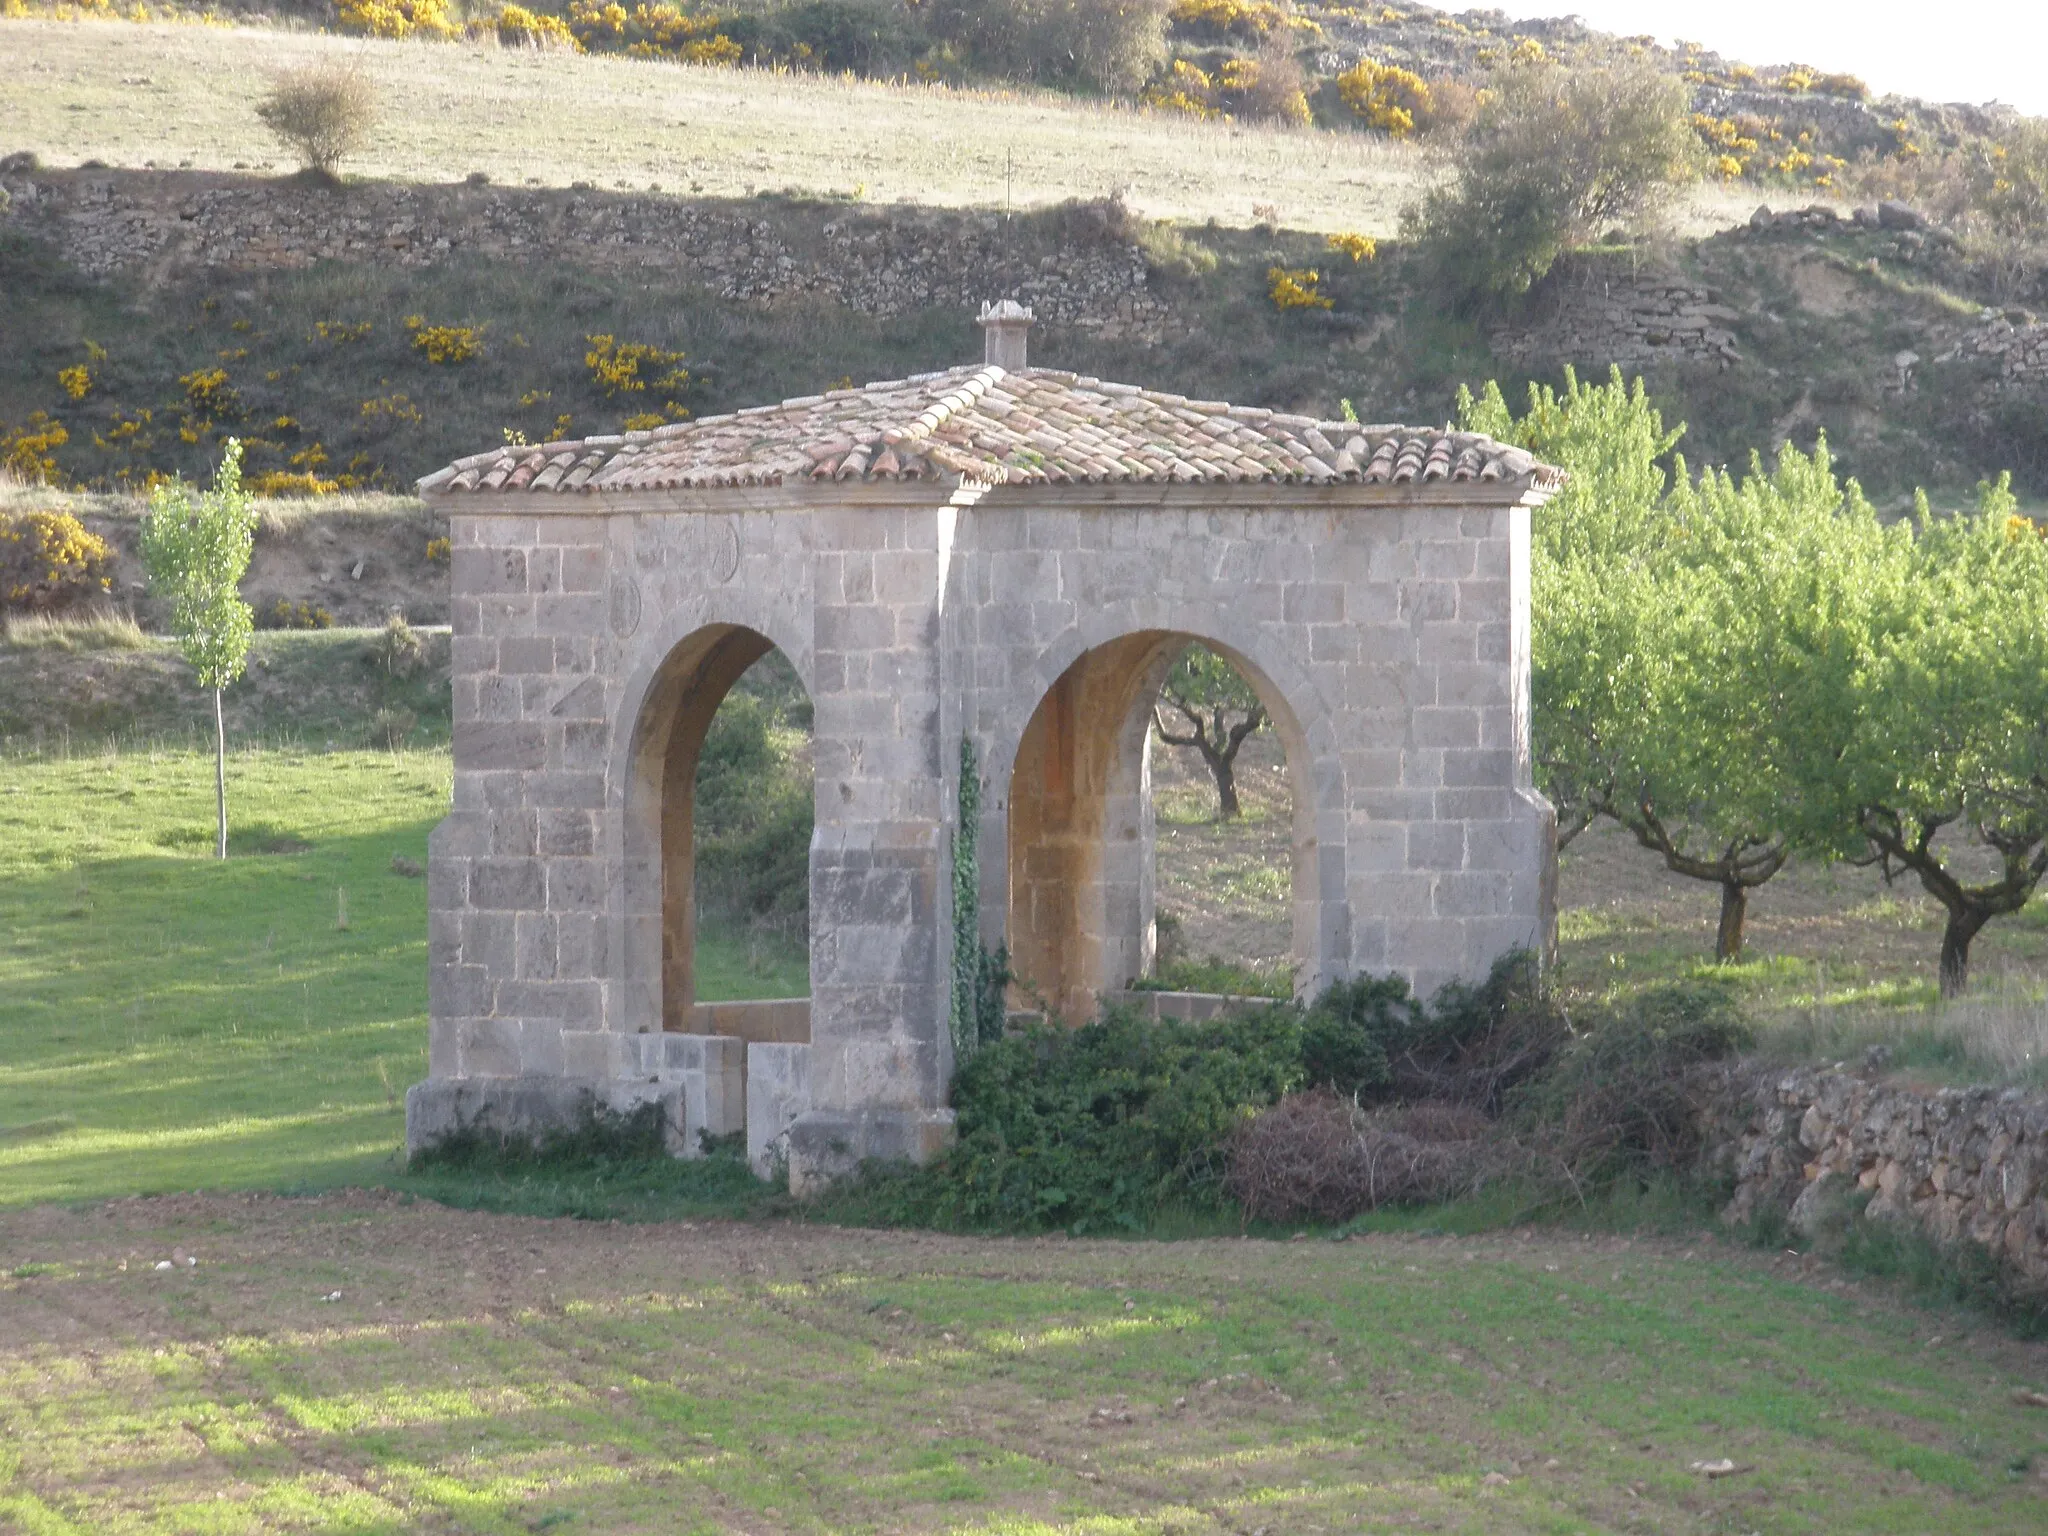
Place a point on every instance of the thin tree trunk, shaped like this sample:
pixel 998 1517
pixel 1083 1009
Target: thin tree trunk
pixel 220 776
pixel 1734 908
pixel 1963 926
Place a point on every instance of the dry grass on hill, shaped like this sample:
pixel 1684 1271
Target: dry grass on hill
pixel 128 94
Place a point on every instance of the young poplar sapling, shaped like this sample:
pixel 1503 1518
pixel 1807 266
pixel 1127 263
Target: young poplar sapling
pixel 195 548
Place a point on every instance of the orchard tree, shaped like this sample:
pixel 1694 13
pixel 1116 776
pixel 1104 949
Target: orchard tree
pixel 1221 713
pixel 1778 571
pixel 1944 735
pixel 196 548
pixel 1592 550
pixel 1645 656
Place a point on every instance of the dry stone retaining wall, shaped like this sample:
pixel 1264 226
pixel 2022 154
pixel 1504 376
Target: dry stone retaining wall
pixel 1593 316
pixel 1964 1165
pixel 879 262
pixel 2014 340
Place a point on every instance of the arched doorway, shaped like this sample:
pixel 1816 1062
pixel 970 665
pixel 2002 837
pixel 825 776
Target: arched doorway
pixel 1082 828
pixel 1223 806
pixel 664 891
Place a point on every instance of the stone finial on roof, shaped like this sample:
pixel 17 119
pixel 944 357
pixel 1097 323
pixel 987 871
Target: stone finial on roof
pixel 1004 326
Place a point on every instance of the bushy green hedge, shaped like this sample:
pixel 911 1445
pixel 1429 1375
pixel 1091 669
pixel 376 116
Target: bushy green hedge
pixel 1110 1126
pixel 1103 1127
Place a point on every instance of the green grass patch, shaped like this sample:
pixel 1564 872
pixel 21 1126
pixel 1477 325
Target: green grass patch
pixel 169 1021
pixel 365 1365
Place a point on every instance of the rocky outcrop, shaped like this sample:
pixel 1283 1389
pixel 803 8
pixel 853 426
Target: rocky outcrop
pixel 881 261
pixel 1964 1165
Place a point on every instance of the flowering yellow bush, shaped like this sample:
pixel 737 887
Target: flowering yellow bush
pixel 439 551
pixel 1186 89
pixel 1384 96
pixel 286 614
pixel 397 18
pixel 208 390
pixel 77 381
pixel 50 559
pixel 659 31
pixel 27 452
pixel 284 482
pixel 127 431
pixel 517 27
pixel 390 410
pixel 340 332
pixel 1357 247
pixel 630 367
pixel 1229 18
pixel 445 344
pixel 1295 288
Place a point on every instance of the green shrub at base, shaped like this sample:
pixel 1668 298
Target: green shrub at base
pixel 1096 1129
pixel 1111 1126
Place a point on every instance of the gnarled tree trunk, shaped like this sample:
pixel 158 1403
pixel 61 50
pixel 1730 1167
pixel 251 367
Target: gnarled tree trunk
pixel 1743 865
pixel 1902 842
pixel 1218 740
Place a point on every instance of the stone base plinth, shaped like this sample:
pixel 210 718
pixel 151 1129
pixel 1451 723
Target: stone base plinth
pixel 533 1110
pixel 698 1080
pixel 826 1145
pixel 778 1092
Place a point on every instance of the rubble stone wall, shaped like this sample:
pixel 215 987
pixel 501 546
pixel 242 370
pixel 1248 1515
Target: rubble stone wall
pixel 158 225
pixel 2014 340
pixel 1963 1165
pixel 1594 314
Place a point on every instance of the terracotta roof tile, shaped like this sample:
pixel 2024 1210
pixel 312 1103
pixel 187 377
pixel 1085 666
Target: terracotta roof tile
pixel 988 426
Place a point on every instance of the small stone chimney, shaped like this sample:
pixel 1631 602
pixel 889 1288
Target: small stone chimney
pixel 1005 325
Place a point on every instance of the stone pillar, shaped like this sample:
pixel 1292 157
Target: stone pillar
pixel 881 931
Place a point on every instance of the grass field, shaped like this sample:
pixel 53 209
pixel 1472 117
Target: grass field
pixel 128 94
pixel 365 1361
pixel 356 1363
pixel 168 1021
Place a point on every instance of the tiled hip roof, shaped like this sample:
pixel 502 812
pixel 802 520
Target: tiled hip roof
pixel 1036 426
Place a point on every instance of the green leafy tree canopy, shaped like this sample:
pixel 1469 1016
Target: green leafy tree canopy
pixel 1554 158
pixel 196 549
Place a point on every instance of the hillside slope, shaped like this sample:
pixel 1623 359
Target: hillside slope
pixel 360 338
pixel 171 96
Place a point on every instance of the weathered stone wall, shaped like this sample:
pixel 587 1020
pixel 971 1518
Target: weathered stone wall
pixel 1595 313
pixel 1964 1165
pixel 883 261
pixel 1386 626
pixel 2013 339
